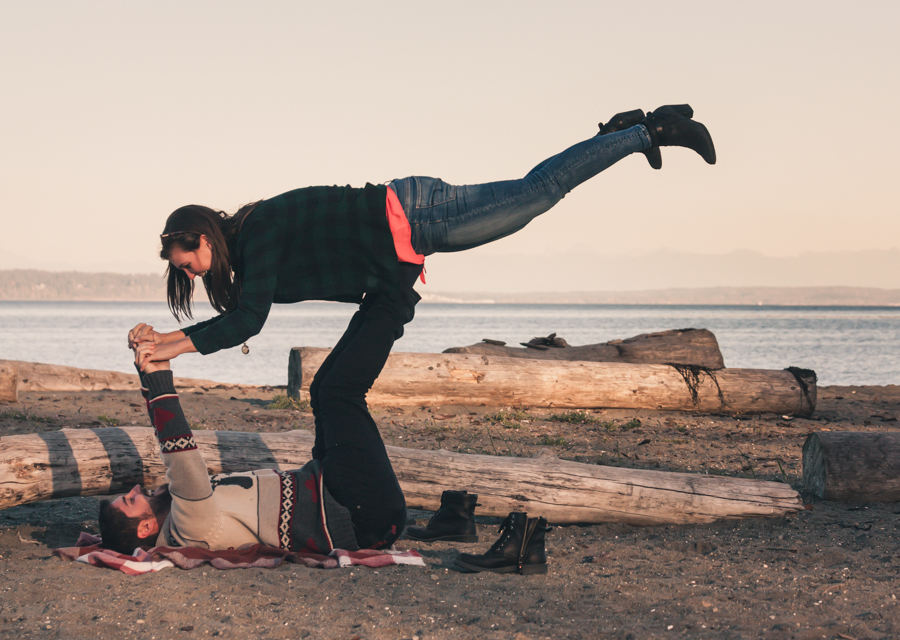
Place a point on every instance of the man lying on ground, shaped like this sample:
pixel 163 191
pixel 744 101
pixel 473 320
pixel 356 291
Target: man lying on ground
pixel 349 498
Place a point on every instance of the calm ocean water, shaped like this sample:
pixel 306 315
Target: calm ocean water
pixel 844 345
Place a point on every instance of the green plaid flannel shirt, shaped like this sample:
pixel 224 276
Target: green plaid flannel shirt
pixel 317 243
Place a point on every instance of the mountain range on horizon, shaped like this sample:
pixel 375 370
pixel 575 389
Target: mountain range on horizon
pixel 34 285
pixel 584 269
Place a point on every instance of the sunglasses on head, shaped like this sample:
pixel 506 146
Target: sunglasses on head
pixel 174 233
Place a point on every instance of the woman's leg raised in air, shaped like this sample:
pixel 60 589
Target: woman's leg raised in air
pixel 446 217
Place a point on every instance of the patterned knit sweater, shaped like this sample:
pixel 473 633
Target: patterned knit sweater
pixel 285 509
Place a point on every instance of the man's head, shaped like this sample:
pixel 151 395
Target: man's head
pixel 133 520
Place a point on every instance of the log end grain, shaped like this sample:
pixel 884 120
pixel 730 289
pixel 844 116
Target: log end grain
pixel 807 382
pixel 853 466
pixel 814 466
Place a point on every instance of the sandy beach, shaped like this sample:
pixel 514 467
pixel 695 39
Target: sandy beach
pixel 828 572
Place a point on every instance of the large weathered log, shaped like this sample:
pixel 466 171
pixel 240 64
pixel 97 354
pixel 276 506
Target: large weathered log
pixel 411 379
pixel 684 346
pixel 9 382
pixel 36 376
pixel 76 462
pixel 852 466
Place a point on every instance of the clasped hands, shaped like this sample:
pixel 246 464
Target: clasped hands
pixel 158 346
pixel 142 339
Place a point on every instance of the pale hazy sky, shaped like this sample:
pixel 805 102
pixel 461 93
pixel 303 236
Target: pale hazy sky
pixel 116 113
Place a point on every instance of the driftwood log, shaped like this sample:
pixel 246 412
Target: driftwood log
pixel 9 382
pixel 79 462
pixel 684 346
pixel 416 379
pixel 36 376
pixel 852 466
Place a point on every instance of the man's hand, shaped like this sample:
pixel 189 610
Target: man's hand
pixel 142 358
pixel 143 333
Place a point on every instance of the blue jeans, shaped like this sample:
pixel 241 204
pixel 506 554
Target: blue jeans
pixel 446 217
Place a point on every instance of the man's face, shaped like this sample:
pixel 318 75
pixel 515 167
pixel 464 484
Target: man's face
pixel 134 504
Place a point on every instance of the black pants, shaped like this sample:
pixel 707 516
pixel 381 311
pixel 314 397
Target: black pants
pixel 356 468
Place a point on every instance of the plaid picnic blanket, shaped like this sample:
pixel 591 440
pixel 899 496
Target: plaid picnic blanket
pixel 88 549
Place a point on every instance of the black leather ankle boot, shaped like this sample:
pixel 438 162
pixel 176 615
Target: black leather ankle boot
pixel 519 549
pixel 669 127
pixel 628 119
pixel 453 522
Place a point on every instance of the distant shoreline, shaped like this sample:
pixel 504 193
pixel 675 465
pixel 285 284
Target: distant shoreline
pixel 544 299
pixel 715 296
pixel 29 285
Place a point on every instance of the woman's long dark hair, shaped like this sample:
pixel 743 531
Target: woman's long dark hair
pixel 183 230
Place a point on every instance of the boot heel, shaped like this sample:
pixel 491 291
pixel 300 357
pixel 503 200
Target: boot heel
pixel 533 569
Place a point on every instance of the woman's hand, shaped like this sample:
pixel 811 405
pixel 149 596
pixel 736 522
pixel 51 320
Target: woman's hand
pixel 143 358
pixel 142 333
pixel 145 333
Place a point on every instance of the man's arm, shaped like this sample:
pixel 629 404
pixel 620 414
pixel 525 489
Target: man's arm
pixel 195 516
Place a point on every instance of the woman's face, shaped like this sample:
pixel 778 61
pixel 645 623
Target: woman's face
pixel 193 263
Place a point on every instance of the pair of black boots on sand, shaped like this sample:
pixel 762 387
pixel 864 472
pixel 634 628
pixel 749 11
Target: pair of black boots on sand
pixel 519 549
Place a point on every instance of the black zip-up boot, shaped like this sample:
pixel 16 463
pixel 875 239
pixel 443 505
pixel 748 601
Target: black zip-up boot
pixel 453 522
pixel 520 548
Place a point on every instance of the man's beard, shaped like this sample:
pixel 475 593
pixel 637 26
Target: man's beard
pixel 161 502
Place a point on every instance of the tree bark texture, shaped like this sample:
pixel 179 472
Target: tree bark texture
pixel 81 462
pixel 417 379
pixel 853 466
pixel 36 376
pixel 684 346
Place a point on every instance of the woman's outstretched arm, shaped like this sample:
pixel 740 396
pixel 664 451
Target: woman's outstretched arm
pixel 170 350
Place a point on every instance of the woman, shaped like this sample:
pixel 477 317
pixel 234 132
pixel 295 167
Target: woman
pixel 368 246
